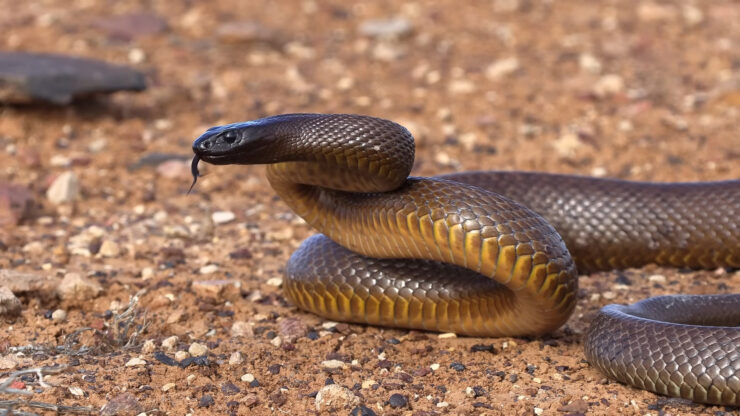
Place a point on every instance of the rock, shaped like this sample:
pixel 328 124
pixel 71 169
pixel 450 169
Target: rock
pixel 16 204
pixel 236 358
pixel 64 189
pixel 222 217
pixel 334 397
pixel 657 278
pixel 393 28
pixel 170 343
pixel 181 355
pixel 8 362
pixel 398 401
pixel 576 406
pixel 58 79
pixel 109 248
pixel 135 362
pixel 126 27
pixel 333 365
pixel 125 404
pixel 502 68
pixel 22 282
pixel 292 328
pixel 209 269
pixel 241 329
pixel 169 386
pixel 248 378
pixel 74 287
pixel 249 32
pixel 9 304
pixel 196 349
pixel 148 347
pixel 275 281
pixel 59 315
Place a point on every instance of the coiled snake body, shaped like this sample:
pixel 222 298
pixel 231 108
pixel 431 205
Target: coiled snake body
pixel 457 253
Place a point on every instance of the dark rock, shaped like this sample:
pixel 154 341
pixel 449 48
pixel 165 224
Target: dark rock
pixel 58 79
pixel 206 401
pixel 362 411
pixel 165 359
pixel 278 398
pixel 398 401
pixel 201 361
pixel 457 366
pixel 483 348
pixel 229 389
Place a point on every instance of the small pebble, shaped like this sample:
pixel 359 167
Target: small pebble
pixel 457 366
pixel 275 281
pixel 64 189
pixel 442 404
pixel 168 387
pixel 109 248
pixel 248 378
pixel 148 347
pixel 236 358
pixel 334 397
pixel 135 362
pixel 368 383
pixel 398 401
pixel 657 278
pixel 196 349
pixel 181 355
pixel 170 343
pixel 206 401
pixel 223 217
pixel 609 295
pixel 208 269
pixel 447 335
pixel 434 366
pixel 76 391
pixel 538 411
pixel 333 365
pixel 277 341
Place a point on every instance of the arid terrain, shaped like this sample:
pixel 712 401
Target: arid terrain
pixel 638 90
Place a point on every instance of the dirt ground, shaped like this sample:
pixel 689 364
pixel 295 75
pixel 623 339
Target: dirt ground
pixel 625 89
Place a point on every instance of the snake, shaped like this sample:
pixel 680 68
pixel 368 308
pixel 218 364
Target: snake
pixel 496 254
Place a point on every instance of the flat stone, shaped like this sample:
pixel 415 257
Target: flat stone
pixel 16 203
pixel 59 79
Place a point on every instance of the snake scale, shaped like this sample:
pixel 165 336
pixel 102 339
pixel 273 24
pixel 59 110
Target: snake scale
pixel 496 253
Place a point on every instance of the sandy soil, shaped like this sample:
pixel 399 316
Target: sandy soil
pixel 633 90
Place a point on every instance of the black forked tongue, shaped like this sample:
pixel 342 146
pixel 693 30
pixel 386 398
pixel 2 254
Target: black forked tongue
pixel 194 171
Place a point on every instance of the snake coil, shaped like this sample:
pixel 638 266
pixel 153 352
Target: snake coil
pixel 478 253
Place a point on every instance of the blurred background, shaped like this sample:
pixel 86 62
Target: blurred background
pixel 641 90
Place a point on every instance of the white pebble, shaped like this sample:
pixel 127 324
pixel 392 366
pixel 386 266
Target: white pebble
pixel 197 349
pixel 248 378
pixel 59 315
pixel 135 362
pixel 222 217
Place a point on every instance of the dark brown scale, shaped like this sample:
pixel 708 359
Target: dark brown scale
pixel 508 271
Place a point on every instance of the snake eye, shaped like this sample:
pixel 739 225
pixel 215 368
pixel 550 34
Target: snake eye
pixel 229 136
